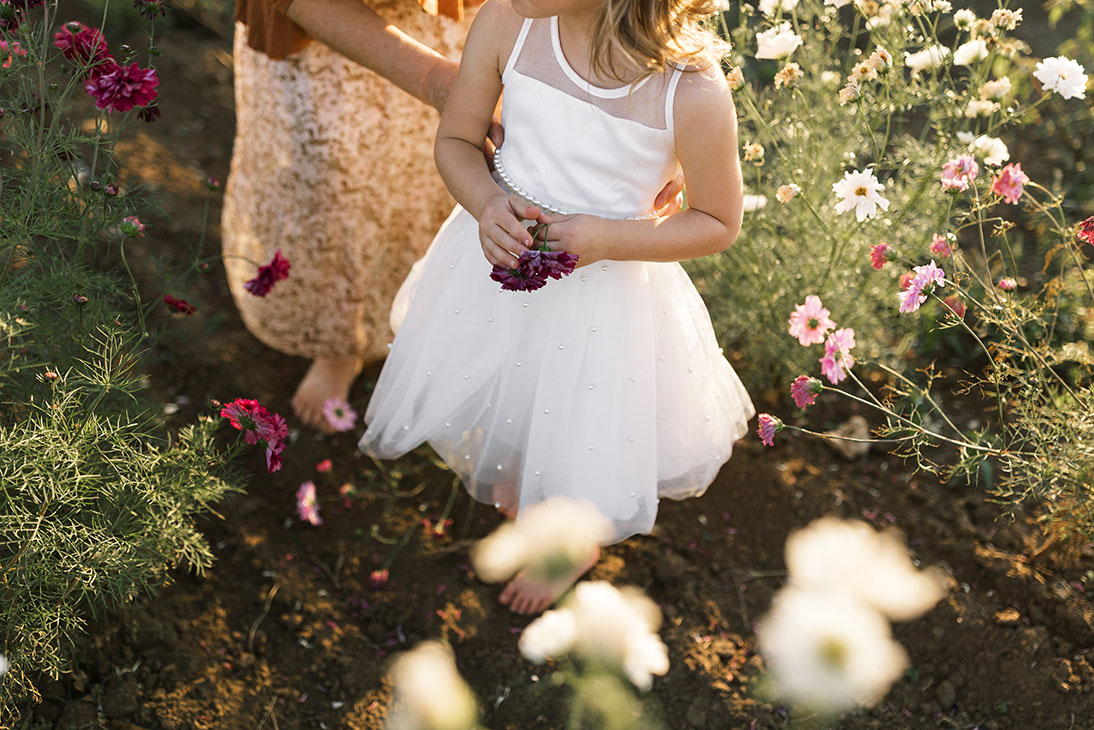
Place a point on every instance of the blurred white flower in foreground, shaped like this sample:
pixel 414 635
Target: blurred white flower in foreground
pixel 1062 75
pixel 860 191
pixel 751 203
pixel 827 651
pixel 548 540
pixel 429 693
pixel 928 58
pixel 777 42
pixel 604 626
pixel 992 150
pixel 970 52
pixel 852 558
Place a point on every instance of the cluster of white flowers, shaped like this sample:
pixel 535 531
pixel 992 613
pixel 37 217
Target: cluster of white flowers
pixel 429 693
pixel 827 640
pixel 860 191
pixel 548 539
pixel 611 628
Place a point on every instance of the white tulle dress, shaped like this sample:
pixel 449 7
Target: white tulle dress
pixel 608 384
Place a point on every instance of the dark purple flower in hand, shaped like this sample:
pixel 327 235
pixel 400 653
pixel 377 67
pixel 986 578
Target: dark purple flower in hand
pixel 556 264
pixel 515 279
pixel 534 268
pixel 120 88
pixel 268 275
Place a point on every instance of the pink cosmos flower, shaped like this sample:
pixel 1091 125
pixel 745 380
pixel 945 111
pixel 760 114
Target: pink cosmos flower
pixel 1010 182
pixel 912 298
pixel 767 428
pixel 956 305
pixel 119 88
pixel 879 255
pixel 179 305
pixel 268 275
pixel 804 390
pixel 378 579
pixel 925 276
pixel 132 227
pixel 273 456
pixel 247 416
pixel 83 44
pixel 1086 230
pixel 338 414
pixel 1007 284
pixel 838 360
pixel 958 174
pixel 808 322
pixel 11 50
pixel 307 508
pixel 273 428
pixel 939 246
pixel 324 466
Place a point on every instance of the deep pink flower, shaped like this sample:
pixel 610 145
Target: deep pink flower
pixel 272 427
pixel 246 415
pixel 338 414
pixel 514 280
pixel 268 275
pixel 809 322
pixel 879 255
pixel 767 427
pixel 939 246
pixel 307 508
pixel 324 466
pixel 804 390
pixel 1007 284
pixel 1010 182
pixel 838 360
pixel 132 227
pixel 119 88
pixel 911 298
pixel 534 268
pixel 958 174
pixel 83 44
pixel 906 280
pixel 11 50
pixel 378 579
pixel 954 303
pixel 179 305
pixel 1086 230
pixel 273 456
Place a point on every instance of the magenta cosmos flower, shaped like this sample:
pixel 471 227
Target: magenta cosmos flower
pixel 1086 230
pixel 8 51
pixel 958 174
pixel 879 254
pixel 119 88
pixel 307 507
pixel 838 360
pixel 268 275
pixel 809 322
pixel 1010 182
pixel 82 44
pixel 767 427
pixel 132 227
pixel 939 246
pixel 179 305
pixel 804 390
pixel 338 414
pixel 258 424
pixel 534 268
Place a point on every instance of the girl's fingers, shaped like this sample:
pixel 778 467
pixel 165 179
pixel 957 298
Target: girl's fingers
pixel 520 239
pixel 498 245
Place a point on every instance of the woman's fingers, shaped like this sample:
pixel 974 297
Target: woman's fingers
pixel 669 200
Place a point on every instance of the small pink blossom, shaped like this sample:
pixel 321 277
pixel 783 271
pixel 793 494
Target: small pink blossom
pixel 925 276
pixel 324 466
pixel 1010 182
pixel 956 305
pixel 268 275
pixel 905 280
pixel 119 88
pixel 809 322
pixel 11 50
pixel 958 174
pixel 767 428
pixel 879 255
pixel 1007 284
pixel 179 305
pixel 338 414
pixel 132 227
pixel 804 390
pixel 838 360
pixel 307 508
pixel 1086 230
pixel 912 298
pixel 940 246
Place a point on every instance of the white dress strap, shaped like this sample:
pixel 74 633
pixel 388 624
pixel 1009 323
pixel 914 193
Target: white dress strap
pixel 516 49
pixel 670 98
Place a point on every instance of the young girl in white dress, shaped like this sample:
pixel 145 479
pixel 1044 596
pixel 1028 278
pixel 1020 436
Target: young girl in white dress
pixel 609 383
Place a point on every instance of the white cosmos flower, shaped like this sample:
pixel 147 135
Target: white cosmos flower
pixel 980 108
pixel 777 42
pixel 852 558
pixel 996 89
pixel 992 150
pixel 970 51
pixel 429 693
pixel 930 57
pixel 860 191
pixel 770 7
pixel 827 651
pixel 964 18
pixel 609 627
pixel 547 539
pixel 751 203
pixel 1062 75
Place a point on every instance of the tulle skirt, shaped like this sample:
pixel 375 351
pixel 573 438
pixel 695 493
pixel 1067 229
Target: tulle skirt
pixel 607 385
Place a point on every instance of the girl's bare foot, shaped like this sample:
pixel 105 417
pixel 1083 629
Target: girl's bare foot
pixel 328 377
pixel 526 595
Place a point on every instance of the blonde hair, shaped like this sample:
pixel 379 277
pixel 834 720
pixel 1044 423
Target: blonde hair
pixel 653 35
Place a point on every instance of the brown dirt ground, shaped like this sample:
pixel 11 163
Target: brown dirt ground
pixel 285 632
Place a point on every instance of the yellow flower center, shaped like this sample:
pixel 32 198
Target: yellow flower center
pixel 833 653
pixel 860 190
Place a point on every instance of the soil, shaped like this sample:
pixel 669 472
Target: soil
pixel 286 630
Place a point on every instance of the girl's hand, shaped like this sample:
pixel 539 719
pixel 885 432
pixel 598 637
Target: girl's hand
pixel 585 236
pixel 501 233
pixel 671 197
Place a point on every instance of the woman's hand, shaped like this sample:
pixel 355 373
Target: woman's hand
pixel 501 233
pixel 585 236
pixel 671 197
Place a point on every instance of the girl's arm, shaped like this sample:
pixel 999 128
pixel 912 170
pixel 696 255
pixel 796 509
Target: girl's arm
pixel 464 124
pixel 706 145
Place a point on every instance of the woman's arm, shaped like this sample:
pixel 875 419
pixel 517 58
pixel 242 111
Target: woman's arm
pixel 357 32
pixel 706 145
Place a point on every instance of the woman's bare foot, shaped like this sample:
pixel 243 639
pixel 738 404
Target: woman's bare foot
pixel 526 596
pixel 328 377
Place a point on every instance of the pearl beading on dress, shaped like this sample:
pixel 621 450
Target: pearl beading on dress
pixel 506 180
